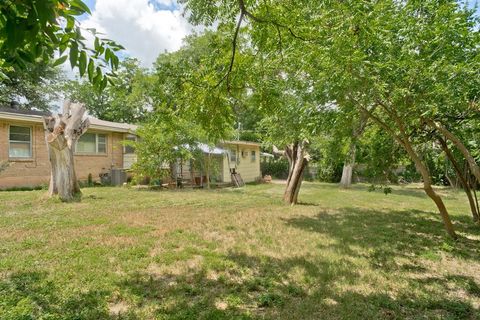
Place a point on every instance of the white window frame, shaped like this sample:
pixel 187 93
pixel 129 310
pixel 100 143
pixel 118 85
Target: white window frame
pixel 30 156
pixel 253 156
pixel 96 145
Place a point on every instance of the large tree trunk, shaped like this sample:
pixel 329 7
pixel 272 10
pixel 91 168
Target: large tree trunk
pixel 346 180
pixel 474 168
pixel 61 134
pixel 298 160
pixel 465 184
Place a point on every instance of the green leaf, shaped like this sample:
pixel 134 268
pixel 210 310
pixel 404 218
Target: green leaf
pixel 82 63
pixel 97 44
pixel 73 54
pixel 91 69
pixel 114 61
pixel 98 77
pixel 80 5
pixel 108 54
pixel 103 84
pixel 60 61
pixel 70 22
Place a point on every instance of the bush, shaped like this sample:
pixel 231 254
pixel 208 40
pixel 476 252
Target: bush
pixel 277 168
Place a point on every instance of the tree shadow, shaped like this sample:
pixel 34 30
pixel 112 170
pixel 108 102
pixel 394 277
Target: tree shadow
pixel 31 295
pixel 249 287
pixel 402 233
pixel 262 287
pixel 244 287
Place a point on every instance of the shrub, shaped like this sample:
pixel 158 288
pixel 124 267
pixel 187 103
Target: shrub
pixel 277 168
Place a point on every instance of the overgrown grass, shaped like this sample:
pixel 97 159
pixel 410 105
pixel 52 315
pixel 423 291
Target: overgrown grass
pixel 237 254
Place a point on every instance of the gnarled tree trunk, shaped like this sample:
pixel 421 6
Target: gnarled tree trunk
pixel 61 134
pixel 297 160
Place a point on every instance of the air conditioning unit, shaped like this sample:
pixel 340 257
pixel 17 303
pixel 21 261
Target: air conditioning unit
pixel 118 177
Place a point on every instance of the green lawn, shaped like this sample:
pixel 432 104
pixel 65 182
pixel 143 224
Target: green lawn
pixel 237 254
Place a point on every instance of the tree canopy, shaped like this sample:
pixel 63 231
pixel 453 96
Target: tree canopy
pixel 128 100
pixel 48 32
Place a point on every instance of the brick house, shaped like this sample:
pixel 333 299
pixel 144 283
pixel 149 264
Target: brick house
pixel 24 156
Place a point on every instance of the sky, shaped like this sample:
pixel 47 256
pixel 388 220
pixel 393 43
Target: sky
pixel 145 28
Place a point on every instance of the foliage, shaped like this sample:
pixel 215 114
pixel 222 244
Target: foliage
pixel 164 139
pixel 380 155
pixel 328 152
pixel 186 82
pixel 187 106
pixel 277 168
pixel 128 100
pixel 33 32
pixel 32 88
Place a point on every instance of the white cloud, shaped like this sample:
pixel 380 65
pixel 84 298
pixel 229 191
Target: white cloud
pixel 140 26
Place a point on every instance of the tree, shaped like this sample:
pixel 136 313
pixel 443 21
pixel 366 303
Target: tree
pixel 36 32
pixel 34 87
pixel 128 100
pixel 62 133
pixel 398 58
pixel 189 83
pixel 398 62
pixel 357 131
pixel 292 119
pixel 33 32
pixel 186 108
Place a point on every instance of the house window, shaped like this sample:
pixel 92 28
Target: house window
pixel 20 142
pixel 253 156
pixel 92 143
pixel 129 149
pixel 233 155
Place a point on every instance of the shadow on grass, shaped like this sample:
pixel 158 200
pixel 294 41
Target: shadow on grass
pixel 391 234
pixel 269 293
pixel 30 295
pixel 240 287
pixel 237 285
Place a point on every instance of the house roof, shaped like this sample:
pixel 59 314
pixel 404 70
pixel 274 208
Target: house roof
pixel 266 155
pixel 240 142
pixel 210 150
pixel 36 116
pixel 205 148
pixel 115 126
pixel 24 111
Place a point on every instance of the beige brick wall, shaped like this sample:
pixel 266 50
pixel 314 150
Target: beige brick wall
pixel 36 171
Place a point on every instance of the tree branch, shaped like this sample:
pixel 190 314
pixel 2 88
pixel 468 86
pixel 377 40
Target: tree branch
pixel 234 50
pixel 272 22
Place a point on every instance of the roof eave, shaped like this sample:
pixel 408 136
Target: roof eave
pixel 38 119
